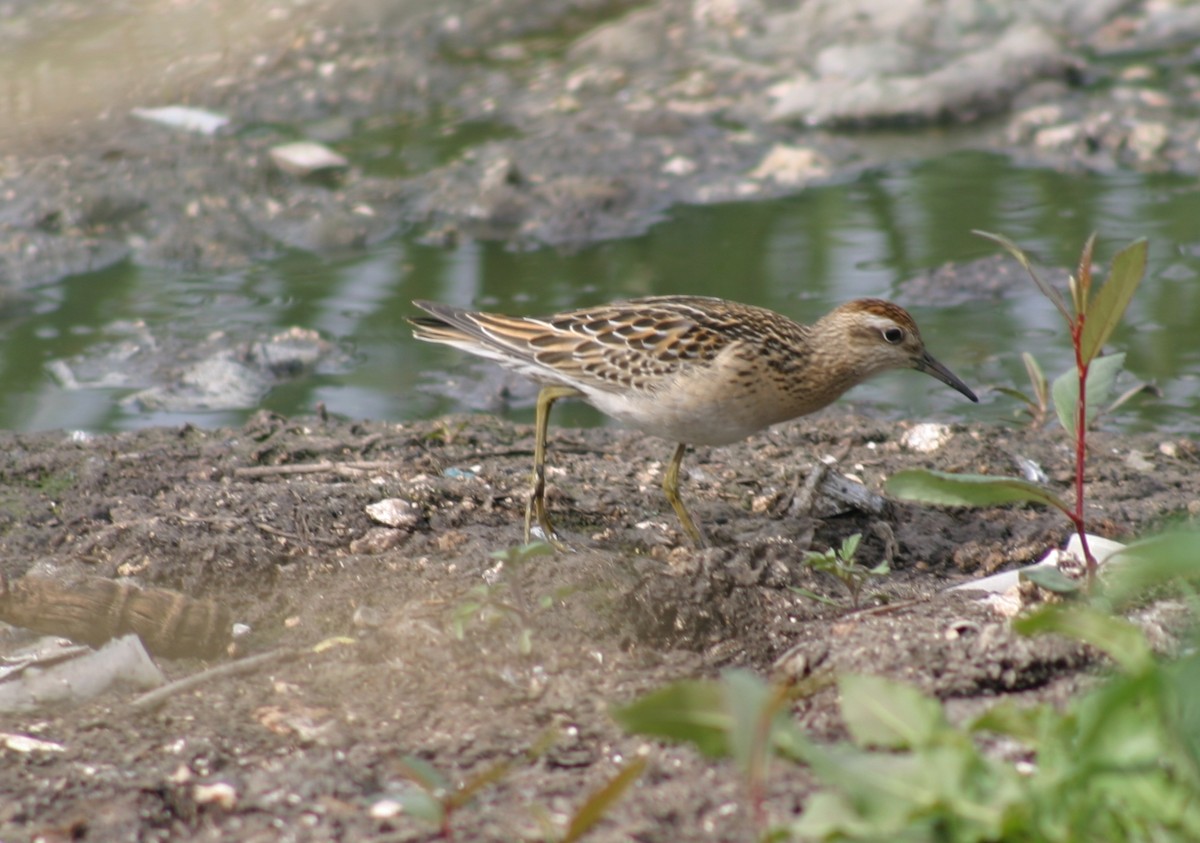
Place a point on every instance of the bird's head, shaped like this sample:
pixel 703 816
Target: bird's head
pixel 878 335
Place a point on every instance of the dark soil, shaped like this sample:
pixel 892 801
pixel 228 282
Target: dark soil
pixel 270 522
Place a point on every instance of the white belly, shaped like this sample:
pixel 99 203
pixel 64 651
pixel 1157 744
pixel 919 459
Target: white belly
pixel 679 421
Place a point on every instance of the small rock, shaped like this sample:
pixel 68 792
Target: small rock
pixel 221 794
pixel 303 158
pixel 393 512
pixel 1147 140
pixel 926 437
pixel 790 165
pixel 1057 137
pixel 26 744
pixel 1136 461
pixel 377 540
pixel 679 166
pixel 386 809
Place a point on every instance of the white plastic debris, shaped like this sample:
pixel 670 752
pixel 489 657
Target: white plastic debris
pixel 80 678
pixel 184 117
pixel 1007 581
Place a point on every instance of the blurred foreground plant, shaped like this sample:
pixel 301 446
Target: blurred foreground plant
pixel 435 799
pixel 1121 762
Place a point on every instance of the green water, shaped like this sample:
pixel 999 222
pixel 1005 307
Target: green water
pixel 799 256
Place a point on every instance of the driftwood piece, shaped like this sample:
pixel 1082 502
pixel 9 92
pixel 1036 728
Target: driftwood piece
pixel 93 610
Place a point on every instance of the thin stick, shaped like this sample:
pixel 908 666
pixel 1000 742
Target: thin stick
pixel 151 700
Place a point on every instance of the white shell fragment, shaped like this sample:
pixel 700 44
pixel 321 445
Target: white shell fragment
pixel 393 512
pixel 183 117
pixel 26 744
pixel 303 158
pixel 926 437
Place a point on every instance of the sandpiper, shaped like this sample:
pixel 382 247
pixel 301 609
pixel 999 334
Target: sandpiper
pixel 690 369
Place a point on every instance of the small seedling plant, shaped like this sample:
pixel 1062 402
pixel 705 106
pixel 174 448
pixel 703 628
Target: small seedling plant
pixel 1090 317
pixel 841 563
pixel 503 601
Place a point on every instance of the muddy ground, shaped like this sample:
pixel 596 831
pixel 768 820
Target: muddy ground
pixel 608 113
pixel 270 521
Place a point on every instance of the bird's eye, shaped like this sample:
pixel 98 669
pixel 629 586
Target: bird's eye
pixel 894 335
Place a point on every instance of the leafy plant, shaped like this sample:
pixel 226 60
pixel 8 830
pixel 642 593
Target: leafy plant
pixel 1090 319
pixel 841 563
pixel 445 431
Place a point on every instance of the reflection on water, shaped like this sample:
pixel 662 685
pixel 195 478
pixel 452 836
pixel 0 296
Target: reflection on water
pixel 799 256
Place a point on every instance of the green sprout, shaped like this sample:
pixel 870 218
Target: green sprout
pixel 841 563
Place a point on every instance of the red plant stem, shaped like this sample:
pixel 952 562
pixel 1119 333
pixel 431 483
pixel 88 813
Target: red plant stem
pixel 1081 366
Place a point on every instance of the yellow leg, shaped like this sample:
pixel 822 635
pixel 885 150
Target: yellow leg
pixel 671 487
pixel 537 497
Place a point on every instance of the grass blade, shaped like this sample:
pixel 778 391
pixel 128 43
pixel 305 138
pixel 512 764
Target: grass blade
pixel 1013 249
pixel 1037 378
pixel 593 810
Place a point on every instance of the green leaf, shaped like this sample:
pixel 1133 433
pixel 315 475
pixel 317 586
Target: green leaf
pixel 748 701
pixel 945 489
pixel 1102 374
pixel 1017 394
pixel 1171 559
pixel 1108 306
pixel 1120 639
pixel 1051 579
pixel 1024 723
pixel 1081 281
pixel 593 810
pixel 1049 292
pixel 850 547
pixel 422 805
pixel 691 711
pixel 423 773
pixel 882 713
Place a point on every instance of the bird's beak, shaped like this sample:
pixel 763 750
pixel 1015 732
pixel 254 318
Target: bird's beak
pixel 926 363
